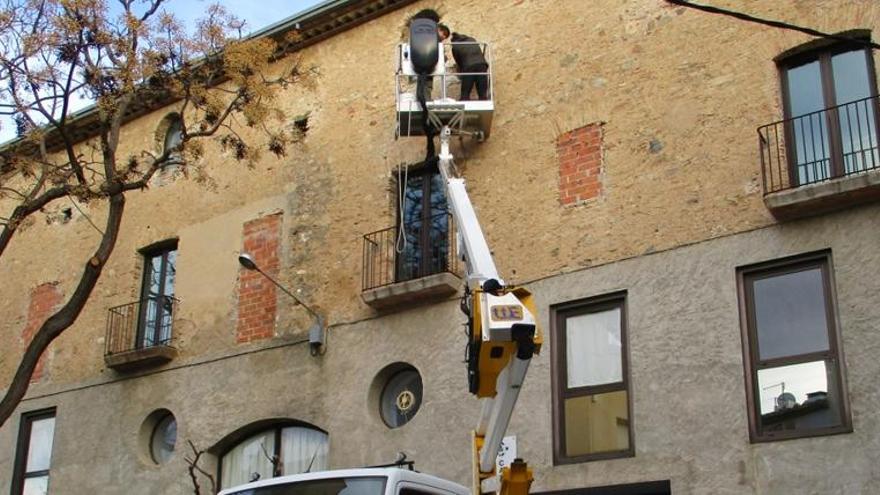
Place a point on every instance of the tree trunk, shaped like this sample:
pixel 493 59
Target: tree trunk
pixel 67 315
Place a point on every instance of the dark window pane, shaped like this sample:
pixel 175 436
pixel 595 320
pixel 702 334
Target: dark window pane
pixel 401 398
pixel 810 132
pixel 857 125
pixel 425 226
pixel 157 303
pixel 596 423
pixel 798 397
pixel 791 315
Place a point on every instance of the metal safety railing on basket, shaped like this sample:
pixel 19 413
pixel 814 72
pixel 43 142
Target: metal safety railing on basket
pixel 443 88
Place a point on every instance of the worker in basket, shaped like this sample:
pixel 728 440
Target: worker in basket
pixel 472 66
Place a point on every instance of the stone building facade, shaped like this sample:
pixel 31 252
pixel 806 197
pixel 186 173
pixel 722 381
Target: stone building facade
pixel 716 269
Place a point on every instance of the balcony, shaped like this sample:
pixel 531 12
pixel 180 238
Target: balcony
pixel 821 161
pixel 409 265
pixel 139 334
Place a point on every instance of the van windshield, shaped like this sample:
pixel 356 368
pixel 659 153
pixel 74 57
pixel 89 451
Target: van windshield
pixel 332 486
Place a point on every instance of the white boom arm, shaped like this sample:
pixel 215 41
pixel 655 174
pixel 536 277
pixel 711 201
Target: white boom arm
pixel 502 326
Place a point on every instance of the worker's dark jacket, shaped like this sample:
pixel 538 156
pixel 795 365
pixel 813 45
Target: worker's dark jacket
pixel 468 57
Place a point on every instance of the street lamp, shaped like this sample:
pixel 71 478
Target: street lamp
pixel 316 332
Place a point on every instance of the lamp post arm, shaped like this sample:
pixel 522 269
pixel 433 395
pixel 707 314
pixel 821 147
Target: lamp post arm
pixel 289 293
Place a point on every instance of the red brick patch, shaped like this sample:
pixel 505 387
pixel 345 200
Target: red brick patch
pixel 257 301
pixel 580 164
pixel 44 299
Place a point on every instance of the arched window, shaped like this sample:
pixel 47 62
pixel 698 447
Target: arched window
pixel 284 447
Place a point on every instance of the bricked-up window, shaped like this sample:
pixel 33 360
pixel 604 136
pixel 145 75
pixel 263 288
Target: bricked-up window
pixel 257 299
pixel 792 350
pixel 33 455
pixel 829 95
pixel 44 299
pixel 591 384
pixel 580 164
pixel 157 294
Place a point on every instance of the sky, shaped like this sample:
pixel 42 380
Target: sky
pixel 256 13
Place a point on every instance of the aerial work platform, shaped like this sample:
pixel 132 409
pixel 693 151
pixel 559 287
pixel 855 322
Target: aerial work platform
pixel 445 108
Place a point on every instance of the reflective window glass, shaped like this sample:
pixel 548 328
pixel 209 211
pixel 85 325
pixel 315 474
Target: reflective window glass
pixel 790 314
pixel 157 296
pixel 423 245
pixel 33 456
pixel 792 351
pixel 163 440
pixel 596 423
pixel 830 106
pixel 40 446
pixel 858 126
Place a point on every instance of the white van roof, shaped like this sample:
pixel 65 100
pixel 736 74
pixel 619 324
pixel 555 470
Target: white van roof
pixel 394 475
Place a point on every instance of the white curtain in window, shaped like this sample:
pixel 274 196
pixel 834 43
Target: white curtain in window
pixel 251 456
pixel 593 354
pixel 303 449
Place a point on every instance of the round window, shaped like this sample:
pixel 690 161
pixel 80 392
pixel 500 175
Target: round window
pixel 401 397
pixel 163 439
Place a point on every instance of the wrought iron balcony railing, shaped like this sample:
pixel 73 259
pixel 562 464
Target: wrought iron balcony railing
pixel 140 325
pixel 820 146
pixel 421 248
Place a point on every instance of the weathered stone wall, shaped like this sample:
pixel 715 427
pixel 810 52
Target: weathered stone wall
pixel 679 94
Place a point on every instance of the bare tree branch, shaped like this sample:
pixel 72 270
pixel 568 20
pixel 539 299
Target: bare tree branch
pixel 195 470
pixel 52 52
